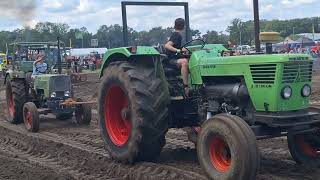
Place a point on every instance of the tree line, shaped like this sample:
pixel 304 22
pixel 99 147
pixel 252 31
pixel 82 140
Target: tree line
pixel 110 36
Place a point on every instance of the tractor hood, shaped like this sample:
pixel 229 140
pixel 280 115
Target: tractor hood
pixel 265 76
pixel 207 63
pixel 214 57
pixel 50 83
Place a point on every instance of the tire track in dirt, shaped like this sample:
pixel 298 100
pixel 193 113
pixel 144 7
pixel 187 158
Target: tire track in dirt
pixel 180 153
pixel 75 154
pixel 44 159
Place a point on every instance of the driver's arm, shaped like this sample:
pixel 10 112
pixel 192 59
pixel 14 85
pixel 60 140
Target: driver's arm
pixel 169 46
pixel 36 62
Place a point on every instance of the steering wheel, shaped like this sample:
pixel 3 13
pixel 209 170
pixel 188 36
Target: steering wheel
pixel 203 43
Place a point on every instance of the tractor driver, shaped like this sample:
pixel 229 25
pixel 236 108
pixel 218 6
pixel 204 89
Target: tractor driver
pixel 39 66
pixel 174 52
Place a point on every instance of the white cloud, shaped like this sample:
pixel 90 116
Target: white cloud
pixel 84 6
pixel 32 23
pixel 267 8
pixel 54 4
pixel 295 3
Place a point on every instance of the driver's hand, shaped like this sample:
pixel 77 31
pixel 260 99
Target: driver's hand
pixel 183 50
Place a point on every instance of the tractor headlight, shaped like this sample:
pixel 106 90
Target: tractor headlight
pixel 306 91
pixel 67 93
pixel 53 95
pixel 286 92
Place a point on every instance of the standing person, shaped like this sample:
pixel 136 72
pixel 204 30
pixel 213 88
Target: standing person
pixel 174 51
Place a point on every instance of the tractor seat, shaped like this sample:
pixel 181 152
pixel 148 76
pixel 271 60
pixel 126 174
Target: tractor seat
pixel 172 72
pixel 161 49
pixel 171 68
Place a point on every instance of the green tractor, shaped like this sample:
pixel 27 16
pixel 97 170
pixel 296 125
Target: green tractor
pixel 234 102
pixel 30 96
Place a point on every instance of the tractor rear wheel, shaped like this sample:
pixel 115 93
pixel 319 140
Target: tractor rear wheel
pixel 133 112
pixel 305 148
pixel 31 117
pixel 16 97
pixel 227 148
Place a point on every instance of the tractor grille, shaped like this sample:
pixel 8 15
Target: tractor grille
pixel 60 83
pixel 60 93
pixel 299 71
pixel 263 73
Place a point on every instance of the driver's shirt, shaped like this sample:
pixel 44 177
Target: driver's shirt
pixel 39 68
pixel 176 39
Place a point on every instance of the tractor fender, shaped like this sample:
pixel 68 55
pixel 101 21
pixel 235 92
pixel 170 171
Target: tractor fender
pixel 10 74
pixel 126 54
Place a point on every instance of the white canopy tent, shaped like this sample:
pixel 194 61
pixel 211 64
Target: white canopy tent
pixel 87 51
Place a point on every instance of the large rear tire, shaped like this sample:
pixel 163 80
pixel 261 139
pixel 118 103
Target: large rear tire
pixel 133 112
pixel 16 97
pixel 305 148
pixel 227 148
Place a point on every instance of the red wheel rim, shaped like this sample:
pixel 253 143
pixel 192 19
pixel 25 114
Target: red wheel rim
pixel 28 119
pixel 117 120
pixel 220 155
pixel 306 147
pixel 11 105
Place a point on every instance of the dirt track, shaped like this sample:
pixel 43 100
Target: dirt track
pixel 64 151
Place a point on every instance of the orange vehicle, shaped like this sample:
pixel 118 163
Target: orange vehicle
pixel 316 49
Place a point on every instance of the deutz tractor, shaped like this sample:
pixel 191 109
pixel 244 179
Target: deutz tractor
pixel 50 92
pixel 234 101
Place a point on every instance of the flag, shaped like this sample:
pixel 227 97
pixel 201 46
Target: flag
pixel 313 31
pixel 7 50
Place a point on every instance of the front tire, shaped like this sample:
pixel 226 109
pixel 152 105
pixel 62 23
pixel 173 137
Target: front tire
pixel 83 113
pixel 31 117
pixel 227 148
pixel 305 148
pixel 15 97
pixel 133 112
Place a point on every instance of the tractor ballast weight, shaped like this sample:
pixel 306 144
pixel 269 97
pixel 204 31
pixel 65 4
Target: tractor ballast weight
pixel 234 101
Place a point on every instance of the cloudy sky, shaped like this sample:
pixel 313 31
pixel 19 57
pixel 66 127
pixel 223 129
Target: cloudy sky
pixel 204 14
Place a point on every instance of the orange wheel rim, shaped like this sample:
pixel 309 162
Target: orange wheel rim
pixel 117 120
pixel 11 105
pixel 306 147
pixel 220 155
pixel 28 119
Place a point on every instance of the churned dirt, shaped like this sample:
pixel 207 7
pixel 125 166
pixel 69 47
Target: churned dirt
pixel 62 150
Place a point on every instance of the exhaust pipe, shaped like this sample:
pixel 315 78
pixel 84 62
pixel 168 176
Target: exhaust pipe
pixel 59 56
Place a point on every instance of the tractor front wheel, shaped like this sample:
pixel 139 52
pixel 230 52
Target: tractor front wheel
pixel 31 117
pixel 227 148
pixel 83 113
pixel 133 112
pixel 305 148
